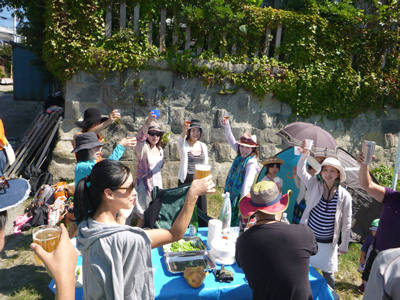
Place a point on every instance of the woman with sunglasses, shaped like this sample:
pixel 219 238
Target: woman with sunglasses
pixel 243 170
pixel 116 258
pixel 150 157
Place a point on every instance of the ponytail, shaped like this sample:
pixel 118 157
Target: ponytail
pixel 107 174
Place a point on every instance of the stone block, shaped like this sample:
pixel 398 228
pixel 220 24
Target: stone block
pixel 177 117
pixel 217 135
pixel 62 171
pixel 223 152
pixel 176 98
pixel 391 140
pixel 157 79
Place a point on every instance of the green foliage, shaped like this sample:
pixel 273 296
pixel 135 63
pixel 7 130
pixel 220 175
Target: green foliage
pixel 6 58
pixel 384 175
pixel 330 57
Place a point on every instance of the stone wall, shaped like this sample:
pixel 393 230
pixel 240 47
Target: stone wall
pixel 179 98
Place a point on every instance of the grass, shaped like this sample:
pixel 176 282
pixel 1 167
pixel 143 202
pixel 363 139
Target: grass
pixel 22 278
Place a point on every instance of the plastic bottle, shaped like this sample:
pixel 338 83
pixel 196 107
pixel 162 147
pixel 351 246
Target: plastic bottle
pixel 194 223
pixel 284 218
pixel 225 212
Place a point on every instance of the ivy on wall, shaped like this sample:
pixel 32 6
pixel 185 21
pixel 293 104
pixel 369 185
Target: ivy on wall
pixel 330 59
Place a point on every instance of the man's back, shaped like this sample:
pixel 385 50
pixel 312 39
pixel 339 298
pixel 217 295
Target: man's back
pixel 275 259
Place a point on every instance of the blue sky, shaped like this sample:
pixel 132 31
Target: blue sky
pixel 8 22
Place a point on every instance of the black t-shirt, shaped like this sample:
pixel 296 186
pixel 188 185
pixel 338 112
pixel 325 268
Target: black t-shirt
pixel 275 258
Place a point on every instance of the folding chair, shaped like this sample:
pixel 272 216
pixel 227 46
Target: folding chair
pixel 166 205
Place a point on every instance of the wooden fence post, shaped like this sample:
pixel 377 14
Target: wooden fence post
pixel 278 39
pixel 187 37
pixel 163 29
pixel 136 13
pixel 150 33
pixel 267 42
pixel 175 30
pixel 108 20
pixel 122 16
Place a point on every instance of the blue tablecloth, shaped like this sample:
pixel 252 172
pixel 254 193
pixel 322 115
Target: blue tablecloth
pixel 170 286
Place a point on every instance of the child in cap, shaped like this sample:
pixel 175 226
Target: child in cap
pixel 88 150
pixel 367 248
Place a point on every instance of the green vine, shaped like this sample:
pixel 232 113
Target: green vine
pixel 330 58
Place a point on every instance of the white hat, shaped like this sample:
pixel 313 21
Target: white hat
pixel 333 162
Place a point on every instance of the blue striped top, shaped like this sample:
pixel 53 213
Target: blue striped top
pixel 322 219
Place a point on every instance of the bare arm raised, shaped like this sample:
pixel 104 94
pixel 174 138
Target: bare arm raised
pixel 374 190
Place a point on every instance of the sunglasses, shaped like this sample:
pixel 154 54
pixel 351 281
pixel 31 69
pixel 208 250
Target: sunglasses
pixel 129 188
pixel 153 133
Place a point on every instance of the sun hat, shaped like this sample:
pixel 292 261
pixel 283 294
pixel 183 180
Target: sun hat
pixel 17 192
pixel 333 162
pixel 272 160
pixel 91 116
pixel 264 197
pixel 248 141
pixel 87 140
pixel 154 126
pixel 194 124
pixel 374 225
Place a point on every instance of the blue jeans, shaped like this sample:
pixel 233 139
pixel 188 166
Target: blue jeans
pixel 3 162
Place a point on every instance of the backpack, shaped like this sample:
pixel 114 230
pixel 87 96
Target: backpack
pixel 37 178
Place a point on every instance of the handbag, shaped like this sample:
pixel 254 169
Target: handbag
pixel 9 153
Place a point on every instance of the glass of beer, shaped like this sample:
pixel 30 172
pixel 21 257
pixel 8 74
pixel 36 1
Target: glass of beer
pixel 202 171
pixel 46 236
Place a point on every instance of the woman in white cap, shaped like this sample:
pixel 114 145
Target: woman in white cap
pixel 327 213
pixel 243 170
pixel 191 152
pixel 150 157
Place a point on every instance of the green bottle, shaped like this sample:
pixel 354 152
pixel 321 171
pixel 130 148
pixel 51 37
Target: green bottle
pixel 194 223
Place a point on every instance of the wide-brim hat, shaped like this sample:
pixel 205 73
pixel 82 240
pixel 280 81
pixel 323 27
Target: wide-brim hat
pixel 248 141
pixel 264 197
pixel 91 116
pixel 272 160
pixel 194 124
pixel 17 192
pixel 333 162
pixel 154 126
pixel 87 140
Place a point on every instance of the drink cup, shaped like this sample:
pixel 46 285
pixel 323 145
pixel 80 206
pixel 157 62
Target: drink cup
pixel 296 150
pixel 368 148
pixel 187 122
pixel 308 144
pixel 46 236
pixel 156 113
pixel 202 171
pixel 131 136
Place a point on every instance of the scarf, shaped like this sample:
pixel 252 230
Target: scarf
pixel 233 185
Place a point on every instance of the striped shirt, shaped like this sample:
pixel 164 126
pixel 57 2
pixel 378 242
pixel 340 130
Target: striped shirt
pixel 193 160
pixel 322 219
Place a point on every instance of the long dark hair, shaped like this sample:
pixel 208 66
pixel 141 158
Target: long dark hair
pixel 270 166
pixel 159 144
pixel 107 174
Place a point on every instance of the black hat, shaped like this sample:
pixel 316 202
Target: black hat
pixel 87 140
pixel 194 124
pixel 91 116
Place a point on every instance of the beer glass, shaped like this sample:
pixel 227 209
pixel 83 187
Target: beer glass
pixel 46 236
pixel 202 171
pixel 368 148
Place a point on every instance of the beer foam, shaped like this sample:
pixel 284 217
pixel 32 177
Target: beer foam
pixel 199 167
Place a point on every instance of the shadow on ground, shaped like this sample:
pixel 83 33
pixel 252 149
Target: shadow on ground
pixel 19 271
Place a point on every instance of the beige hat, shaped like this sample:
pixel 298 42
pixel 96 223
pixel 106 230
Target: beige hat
pixel 248 141
pixel 333 162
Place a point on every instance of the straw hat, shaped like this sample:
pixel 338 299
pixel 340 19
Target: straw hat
pixel 264 197
pixel 272 160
